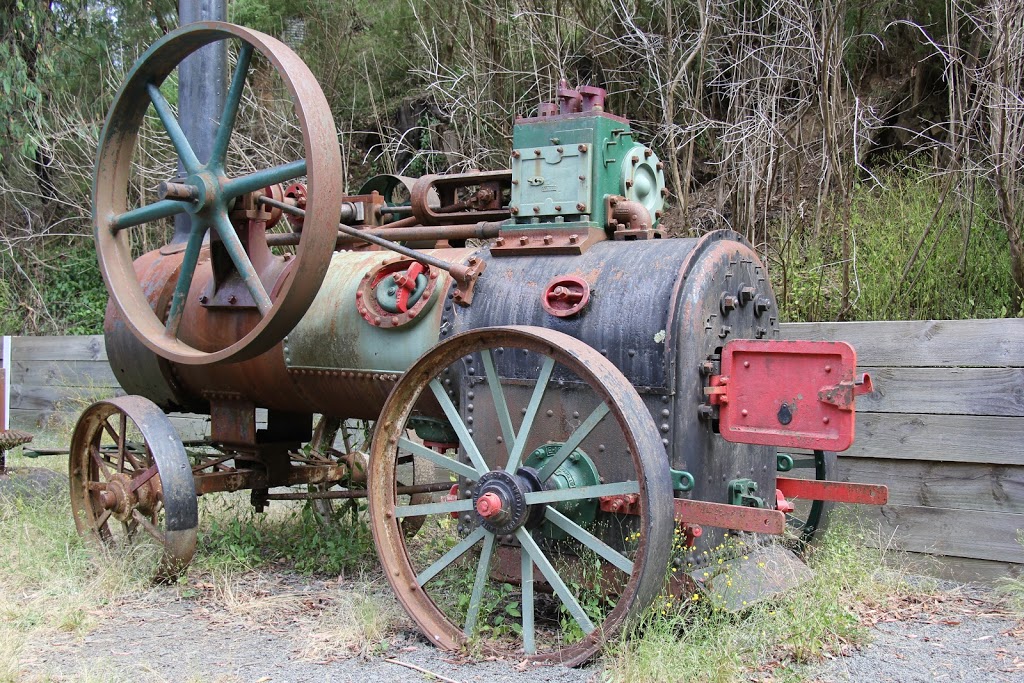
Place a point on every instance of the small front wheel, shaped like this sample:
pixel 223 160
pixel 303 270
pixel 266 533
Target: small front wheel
pixel 131 484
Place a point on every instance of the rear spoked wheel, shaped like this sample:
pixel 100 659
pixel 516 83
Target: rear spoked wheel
pixel 519 559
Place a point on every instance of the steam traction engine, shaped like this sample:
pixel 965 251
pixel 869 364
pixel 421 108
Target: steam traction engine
pixel 564 404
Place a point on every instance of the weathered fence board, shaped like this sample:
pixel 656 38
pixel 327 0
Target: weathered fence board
pixel 945 391
pixel 967 486
pixel 947 438
pixel 60 348
pixel 924 343
pixel 976 534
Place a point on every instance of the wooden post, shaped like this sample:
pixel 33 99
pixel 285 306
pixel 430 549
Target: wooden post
pixel 5 383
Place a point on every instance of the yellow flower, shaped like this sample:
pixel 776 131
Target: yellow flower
pixel 695 597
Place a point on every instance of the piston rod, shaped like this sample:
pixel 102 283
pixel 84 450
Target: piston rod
pixel 458 271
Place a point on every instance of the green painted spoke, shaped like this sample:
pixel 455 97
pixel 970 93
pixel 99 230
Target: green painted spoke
pixel 574 441
pixel 500 405
pixel 465 438
pixel 174 131
pixel 526 576
pixel 620 488
pixel 455 553
pixel 233 245
pixel 482 569
pixel 561 590
pixel 588 539
pixel 261 179
pixel 185 274
pixel 531 412
pixel 421 509
pixel 231 102
pixel 438 459
pixel 165 208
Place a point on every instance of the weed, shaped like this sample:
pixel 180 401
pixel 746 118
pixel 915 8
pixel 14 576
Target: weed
pixel 1013 588
pixel 693 640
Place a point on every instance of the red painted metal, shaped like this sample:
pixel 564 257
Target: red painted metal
pixel 793 394
pixel 781 504
pixel 726 516
pixel 565 295
pixel 836 491
pixel 488 505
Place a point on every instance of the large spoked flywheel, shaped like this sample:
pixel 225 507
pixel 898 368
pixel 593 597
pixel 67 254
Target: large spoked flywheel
pixel 210 191
pixel 522 558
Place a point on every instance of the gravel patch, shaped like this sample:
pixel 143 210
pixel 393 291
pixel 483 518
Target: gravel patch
pixel 958 634
pixel 260 627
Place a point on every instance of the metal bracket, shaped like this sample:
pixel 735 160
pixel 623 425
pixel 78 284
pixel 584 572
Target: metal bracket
pixel 835 491
pixel 742 492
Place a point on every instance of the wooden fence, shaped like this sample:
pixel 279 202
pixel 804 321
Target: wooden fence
pixel 944 428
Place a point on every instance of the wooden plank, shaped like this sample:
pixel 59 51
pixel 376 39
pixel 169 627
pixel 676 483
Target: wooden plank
pixel 75 373
pixel 89 347
pixel 945 391
pixel 190 427
pixel 63 399
pixel 967 486
pixel 5 385
pixel 29 420
pixel 951 438
pixel 997 342
pixel 960 569
pixel 943 531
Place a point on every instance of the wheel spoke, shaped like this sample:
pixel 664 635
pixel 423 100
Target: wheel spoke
pixel 455 553
pixel 101 464
pixel 531 412
pixel 465 438
pixel 573 441
pixel 120 442
pixel 526 583
pixel 102 519
pixel 266 177
pixel 185 274
pixel 233 245
pixel 438 459
pixel 589 540
pixel 231 103
pixel 463 505
pixel 482 569
pixel 165 208
pixel 148 525
pixel 561 590
pixel 142 478
pixel 174 131
pixel 500 405
pixel 620 488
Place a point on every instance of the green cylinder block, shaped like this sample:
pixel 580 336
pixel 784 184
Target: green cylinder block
pixel 577 471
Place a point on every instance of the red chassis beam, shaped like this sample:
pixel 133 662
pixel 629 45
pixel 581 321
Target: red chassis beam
pixel 835 491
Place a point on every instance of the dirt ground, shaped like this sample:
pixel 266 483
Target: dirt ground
pixel 281 630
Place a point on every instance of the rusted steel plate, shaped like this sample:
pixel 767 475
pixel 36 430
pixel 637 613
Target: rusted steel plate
pixel 836 491
pixel 726 516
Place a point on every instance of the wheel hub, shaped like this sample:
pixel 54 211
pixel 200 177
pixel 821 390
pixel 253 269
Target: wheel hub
pixel 119 497
pixel 500 501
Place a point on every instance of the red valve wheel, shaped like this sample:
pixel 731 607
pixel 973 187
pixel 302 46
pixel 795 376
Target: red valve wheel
pixel 565 295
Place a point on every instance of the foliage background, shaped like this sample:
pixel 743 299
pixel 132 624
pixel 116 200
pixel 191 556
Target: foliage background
pixel 873 152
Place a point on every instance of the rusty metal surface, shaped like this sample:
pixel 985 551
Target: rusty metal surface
pixel 108 490
pixel 627 318
pixel 643 441
pixel 486 204
pixel 110 193
pixel 835 491
pixel 734 517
